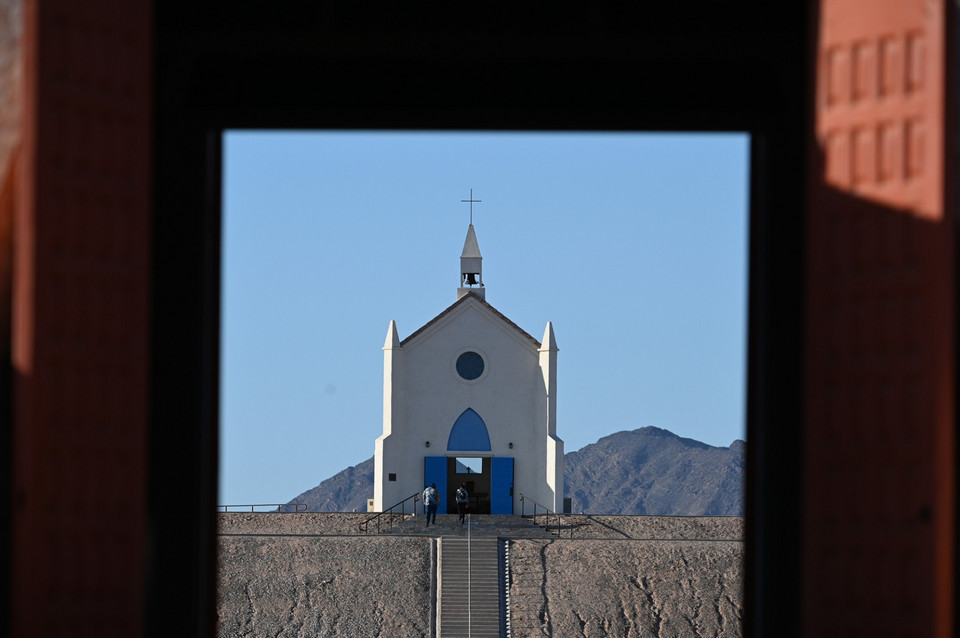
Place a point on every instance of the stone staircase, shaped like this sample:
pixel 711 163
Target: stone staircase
pixel 470 601
pixel 470 586
pixel 495 525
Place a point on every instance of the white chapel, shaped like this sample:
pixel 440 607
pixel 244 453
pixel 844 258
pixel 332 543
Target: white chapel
pixel 470 398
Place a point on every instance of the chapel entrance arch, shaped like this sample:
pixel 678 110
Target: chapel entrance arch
pixel 488 478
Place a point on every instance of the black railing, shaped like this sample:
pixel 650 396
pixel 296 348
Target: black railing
pixel 543 516
pixel 280 507
pixel 390 517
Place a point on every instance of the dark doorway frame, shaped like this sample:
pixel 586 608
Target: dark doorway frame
pixel 479 494
pixel 700 65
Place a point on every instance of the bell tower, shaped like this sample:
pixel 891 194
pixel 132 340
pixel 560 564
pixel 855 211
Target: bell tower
pixel 471 267
pixel 471 263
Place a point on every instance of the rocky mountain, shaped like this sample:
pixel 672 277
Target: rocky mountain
pixel 346 491
pixel 644 471
pixel 653 471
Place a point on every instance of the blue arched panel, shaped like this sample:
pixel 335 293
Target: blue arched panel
pixel 469 433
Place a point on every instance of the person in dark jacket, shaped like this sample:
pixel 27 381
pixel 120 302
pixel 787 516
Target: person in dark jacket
pixel 462 501
pixel 430 501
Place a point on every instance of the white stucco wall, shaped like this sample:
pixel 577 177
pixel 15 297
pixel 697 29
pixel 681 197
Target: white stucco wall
pixel 424 396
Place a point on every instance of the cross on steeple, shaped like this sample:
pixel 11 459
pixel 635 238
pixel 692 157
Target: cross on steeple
pixel 471 201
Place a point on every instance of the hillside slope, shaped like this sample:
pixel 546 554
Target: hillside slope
pixel 346 491
pixel 653 471
pixel 644 471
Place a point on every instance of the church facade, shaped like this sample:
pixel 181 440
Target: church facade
pixel 470 398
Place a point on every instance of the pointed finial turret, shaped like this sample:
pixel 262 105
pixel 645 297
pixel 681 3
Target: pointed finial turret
pixel 549 342
pixel 392 341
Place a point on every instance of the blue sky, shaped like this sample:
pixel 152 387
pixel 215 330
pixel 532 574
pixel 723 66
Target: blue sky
pixel 633 245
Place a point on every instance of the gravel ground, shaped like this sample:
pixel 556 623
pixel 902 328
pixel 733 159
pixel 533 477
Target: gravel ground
pixel 329 523
pixel 626 588
pixel 654 527
pixel 310 586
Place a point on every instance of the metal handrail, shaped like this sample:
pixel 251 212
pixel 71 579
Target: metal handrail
pixel 390 515
pixel 547 514
pixel 298 507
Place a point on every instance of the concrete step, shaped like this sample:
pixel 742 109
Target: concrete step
pixel 470 586
pixel 480 525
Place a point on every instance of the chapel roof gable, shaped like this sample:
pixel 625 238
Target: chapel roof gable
pixel 483 303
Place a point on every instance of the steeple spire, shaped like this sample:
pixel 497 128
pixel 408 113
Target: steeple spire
pixel 471 268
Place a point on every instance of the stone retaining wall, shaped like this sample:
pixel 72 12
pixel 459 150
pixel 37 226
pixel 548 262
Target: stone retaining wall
pixel 311 586
pixel 299 575
pixel 627 588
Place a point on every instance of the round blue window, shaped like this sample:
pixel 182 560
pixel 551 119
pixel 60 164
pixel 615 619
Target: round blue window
pixel 470 365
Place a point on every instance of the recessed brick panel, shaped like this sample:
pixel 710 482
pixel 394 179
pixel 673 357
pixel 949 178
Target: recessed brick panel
pixel 864 71
pixel 891 66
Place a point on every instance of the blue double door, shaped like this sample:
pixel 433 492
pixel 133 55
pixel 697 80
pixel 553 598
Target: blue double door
pixel 490 489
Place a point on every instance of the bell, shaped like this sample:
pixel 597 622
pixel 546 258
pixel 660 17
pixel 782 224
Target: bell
pixel 472 278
